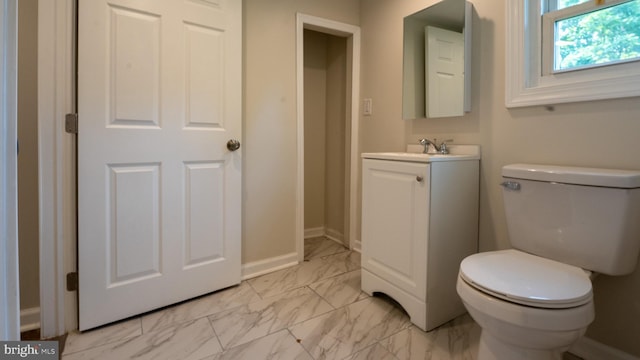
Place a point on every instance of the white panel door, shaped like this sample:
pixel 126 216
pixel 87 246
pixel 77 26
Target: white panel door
pixel 395 223
pixel 159 96
pixel 445 72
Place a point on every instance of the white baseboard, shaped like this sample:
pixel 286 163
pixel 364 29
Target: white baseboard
pixel 590 349
pixel 257 268
pixel 314 232
pixel 357 246
pixel 335 236
pixel 331 234
pixel 29 319
pixel 261 267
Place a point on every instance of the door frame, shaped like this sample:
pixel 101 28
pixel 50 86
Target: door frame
pixel 57 168
pixel 352 33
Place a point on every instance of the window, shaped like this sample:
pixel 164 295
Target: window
pixel 561 51
pixel 580 34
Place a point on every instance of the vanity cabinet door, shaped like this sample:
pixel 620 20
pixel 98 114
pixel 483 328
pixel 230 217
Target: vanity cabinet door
pixel 395 222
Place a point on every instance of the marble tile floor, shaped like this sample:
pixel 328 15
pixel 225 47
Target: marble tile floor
pixel 314 310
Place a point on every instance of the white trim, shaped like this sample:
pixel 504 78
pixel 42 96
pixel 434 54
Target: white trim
pixel 357 246
pixel 9 270
pixel 525 85
pixel 261 267
pixel 29 319
pixel 590 349
pixel 56 164
pixel 335 235
pixel 314 232
pixel 330 234
pixel 352 32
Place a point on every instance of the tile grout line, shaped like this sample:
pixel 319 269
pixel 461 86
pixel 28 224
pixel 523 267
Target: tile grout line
pixel 215 333
pixel 299 342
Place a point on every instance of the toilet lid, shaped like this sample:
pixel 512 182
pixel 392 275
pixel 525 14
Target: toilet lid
pixel 527 279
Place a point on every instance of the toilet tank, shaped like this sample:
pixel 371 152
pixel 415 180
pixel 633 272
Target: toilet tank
pixel 585 217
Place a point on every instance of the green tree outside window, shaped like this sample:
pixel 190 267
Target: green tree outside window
pixel 599 37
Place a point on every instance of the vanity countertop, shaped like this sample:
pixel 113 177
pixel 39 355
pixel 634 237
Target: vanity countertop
pixel 414 154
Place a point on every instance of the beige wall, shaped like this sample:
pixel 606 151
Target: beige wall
pixel 269 173
pixel 28 157
pixel 597 134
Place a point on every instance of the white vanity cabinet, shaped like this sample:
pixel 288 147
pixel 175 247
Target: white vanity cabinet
pixel 419 220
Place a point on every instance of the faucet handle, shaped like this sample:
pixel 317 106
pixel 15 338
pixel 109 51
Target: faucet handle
pixel 443 146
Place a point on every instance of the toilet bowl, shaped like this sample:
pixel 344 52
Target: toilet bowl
pixel 564 223
pixel 516 324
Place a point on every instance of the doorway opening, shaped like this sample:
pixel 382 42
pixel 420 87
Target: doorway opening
pixel 325 140
pixel 28 194
pixel 328 57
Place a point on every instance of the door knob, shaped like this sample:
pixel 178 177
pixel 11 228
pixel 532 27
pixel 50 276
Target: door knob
pixel 419 178
pixel 233 145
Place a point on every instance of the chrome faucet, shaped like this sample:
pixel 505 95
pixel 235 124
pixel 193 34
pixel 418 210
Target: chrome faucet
pixel 442 148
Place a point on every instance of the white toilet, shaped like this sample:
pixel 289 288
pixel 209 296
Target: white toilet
pixel 534 301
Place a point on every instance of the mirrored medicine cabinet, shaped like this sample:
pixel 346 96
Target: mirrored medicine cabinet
pixel 437 61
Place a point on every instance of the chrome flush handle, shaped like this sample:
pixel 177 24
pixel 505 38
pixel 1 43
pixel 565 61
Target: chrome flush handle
pixel 511 185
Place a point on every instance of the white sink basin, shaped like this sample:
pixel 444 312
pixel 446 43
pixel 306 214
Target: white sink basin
pixel 456 152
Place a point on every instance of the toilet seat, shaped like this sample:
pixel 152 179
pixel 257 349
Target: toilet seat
pixel 527 279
